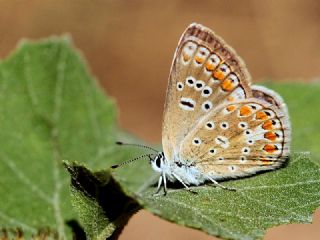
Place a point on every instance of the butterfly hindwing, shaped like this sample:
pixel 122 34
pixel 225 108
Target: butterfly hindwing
pixel 240 138
pixel 205 73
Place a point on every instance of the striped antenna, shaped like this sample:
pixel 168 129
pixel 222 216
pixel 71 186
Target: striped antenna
pixel 132 160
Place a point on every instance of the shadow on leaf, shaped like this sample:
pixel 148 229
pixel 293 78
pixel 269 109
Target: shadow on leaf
pixel 102 206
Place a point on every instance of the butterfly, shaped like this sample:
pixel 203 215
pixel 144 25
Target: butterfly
pixel 216 125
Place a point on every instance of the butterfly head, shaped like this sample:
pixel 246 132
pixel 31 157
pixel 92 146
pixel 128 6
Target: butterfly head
pixel 156 159
pixel 158 162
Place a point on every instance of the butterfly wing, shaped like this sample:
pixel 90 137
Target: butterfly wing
pixel 205 74
pixel 269 96
pixel 240 138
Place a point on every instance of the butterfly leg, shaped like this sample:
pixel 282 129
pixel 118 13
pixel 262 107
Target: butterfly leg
pixel 164 183
pixel 159 185
pixel 219 185
pixel 185 185
pixel 162 178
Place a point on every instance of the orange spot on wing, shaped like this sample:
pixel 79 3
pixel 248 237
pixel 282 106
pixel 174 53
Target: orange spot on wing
pixel 267 125
pixel 261 115
pixel 231 108
pixel 245 110
pixel 270 148
pixel 198 59
pixel 270 135
pixel 227 85
pixel 209 67
pixel 218 74
pixel 186 57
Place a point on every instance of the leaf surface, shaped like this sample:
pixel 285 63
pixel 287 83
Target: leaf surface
pixel 50 109
pixel 102 207
pixel 288 195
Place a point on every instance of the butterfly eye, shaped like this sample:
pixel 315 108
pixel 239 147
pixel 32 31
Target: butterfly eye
pixel 220 158
pixel 158 162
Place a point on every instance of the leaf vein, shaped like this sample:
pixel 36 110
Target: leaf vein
pixel 55 144
pixel 25 180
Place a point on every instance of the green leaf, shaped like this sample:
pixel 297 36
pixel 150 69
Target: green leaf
pixel 50 109
pixel 100 202
pixel 288 195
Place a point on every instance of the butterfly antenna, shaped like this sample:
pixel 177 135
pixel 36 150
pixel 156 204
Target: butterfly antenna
pixel 137 145
pixel 132 160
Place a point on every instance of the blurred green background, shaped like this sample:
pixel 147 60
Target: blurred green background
pixel 129 46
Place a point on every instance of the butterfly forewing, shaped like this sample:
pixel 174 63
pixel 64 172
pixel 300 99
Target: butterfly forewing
pixel 205 73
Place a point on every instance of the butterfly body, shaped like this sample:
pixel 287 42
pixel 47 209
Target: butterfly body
pixel 173 170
